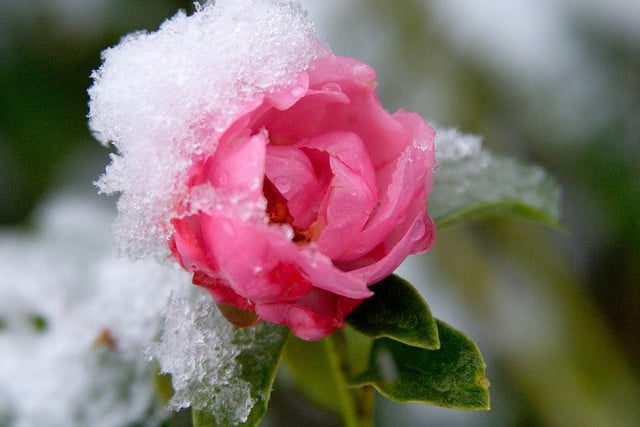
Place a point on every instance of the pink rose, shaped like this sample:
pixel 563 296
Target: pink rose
pixel 346 187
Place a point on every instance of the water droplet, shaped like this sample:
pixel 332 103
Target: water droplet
pixel 255 184
pixel 360 249
pixel 283 184
pixel 223 179
pixel 298 91
pixel 418 231
pixel 332 87
pixel 483 382
pixel 228 228
pixel 436 167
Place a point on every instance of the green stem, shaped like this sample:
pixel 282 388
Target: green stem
pixel 356 404
pixel 347 404
pixel 365 409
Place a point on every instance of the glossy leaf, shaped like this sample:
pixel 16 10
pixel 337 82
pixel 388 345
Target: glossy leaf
pixel 162 387
pixel 397 311
pixel 203 419
pixel 472 184
pixel 451 377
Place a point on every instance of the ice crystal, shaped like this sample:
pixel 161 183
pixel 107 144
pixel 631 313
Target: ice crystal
pixel 75 320
pixel 202 350
pixel 469 176
pixel 199 349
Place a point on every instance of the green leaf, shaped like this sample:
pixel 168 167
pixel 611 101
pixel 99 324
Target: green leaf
pixel 259 361
pixel 451 377
pixel 203 419
pixel 397 311
pixel 162 387
pixel 260 365
pixel 472 184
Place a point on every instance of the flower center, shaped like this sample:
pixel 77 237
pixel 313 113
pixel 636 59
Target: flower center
pixel 278 213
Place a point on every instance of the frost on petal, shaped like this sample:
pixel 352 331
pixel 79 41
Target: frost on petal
pixel 200 349
pixel 163 98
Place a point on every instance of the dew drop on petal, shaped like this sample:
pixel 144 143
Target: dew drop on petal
pixel 223 179
pixel 361 250
pixel 228 228
pixel 298 91
pixel 417 232
pixel 332 87
pixel 283 184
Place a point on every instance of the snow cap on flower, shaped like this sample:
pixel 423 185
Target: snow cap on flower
pixel 160 97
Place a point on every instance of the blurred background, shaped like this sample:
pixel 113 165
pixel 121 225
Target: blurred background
pixel 551 82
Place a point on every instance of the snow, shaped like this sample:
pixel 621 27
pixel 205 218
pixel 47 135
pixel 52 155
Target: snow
pixel 75 321
pixel 468 175
pixel 161 98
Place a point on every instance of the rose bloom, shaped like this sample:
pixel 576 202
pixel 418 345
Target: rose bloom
pixel 349 179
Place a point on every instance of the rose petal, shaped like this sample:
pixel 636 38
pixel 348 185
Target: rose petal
pixel 238 165
pixel 347 147
pixel 385 258
pixel 284 98
pixel 304 323
pixel 332 68
pixel 292 173
pixel 384 136
pixel 411 175
pixel 351 196
pixel 221 292
pixel 247 253
pixel 188 245
pixel 312 317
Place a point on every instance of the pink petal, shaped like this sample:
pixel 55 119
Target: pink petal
pixel 311 317
pixel 292 173
pixel 384 136
pixel 401 184
pixel 418 237
pixel 332 68
pixel 238 165
pixel 285 97
pixel 304 323
pixel 351 196
pixel 247 254
pixel 348 148
pixel 187 241
pixel 221 292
